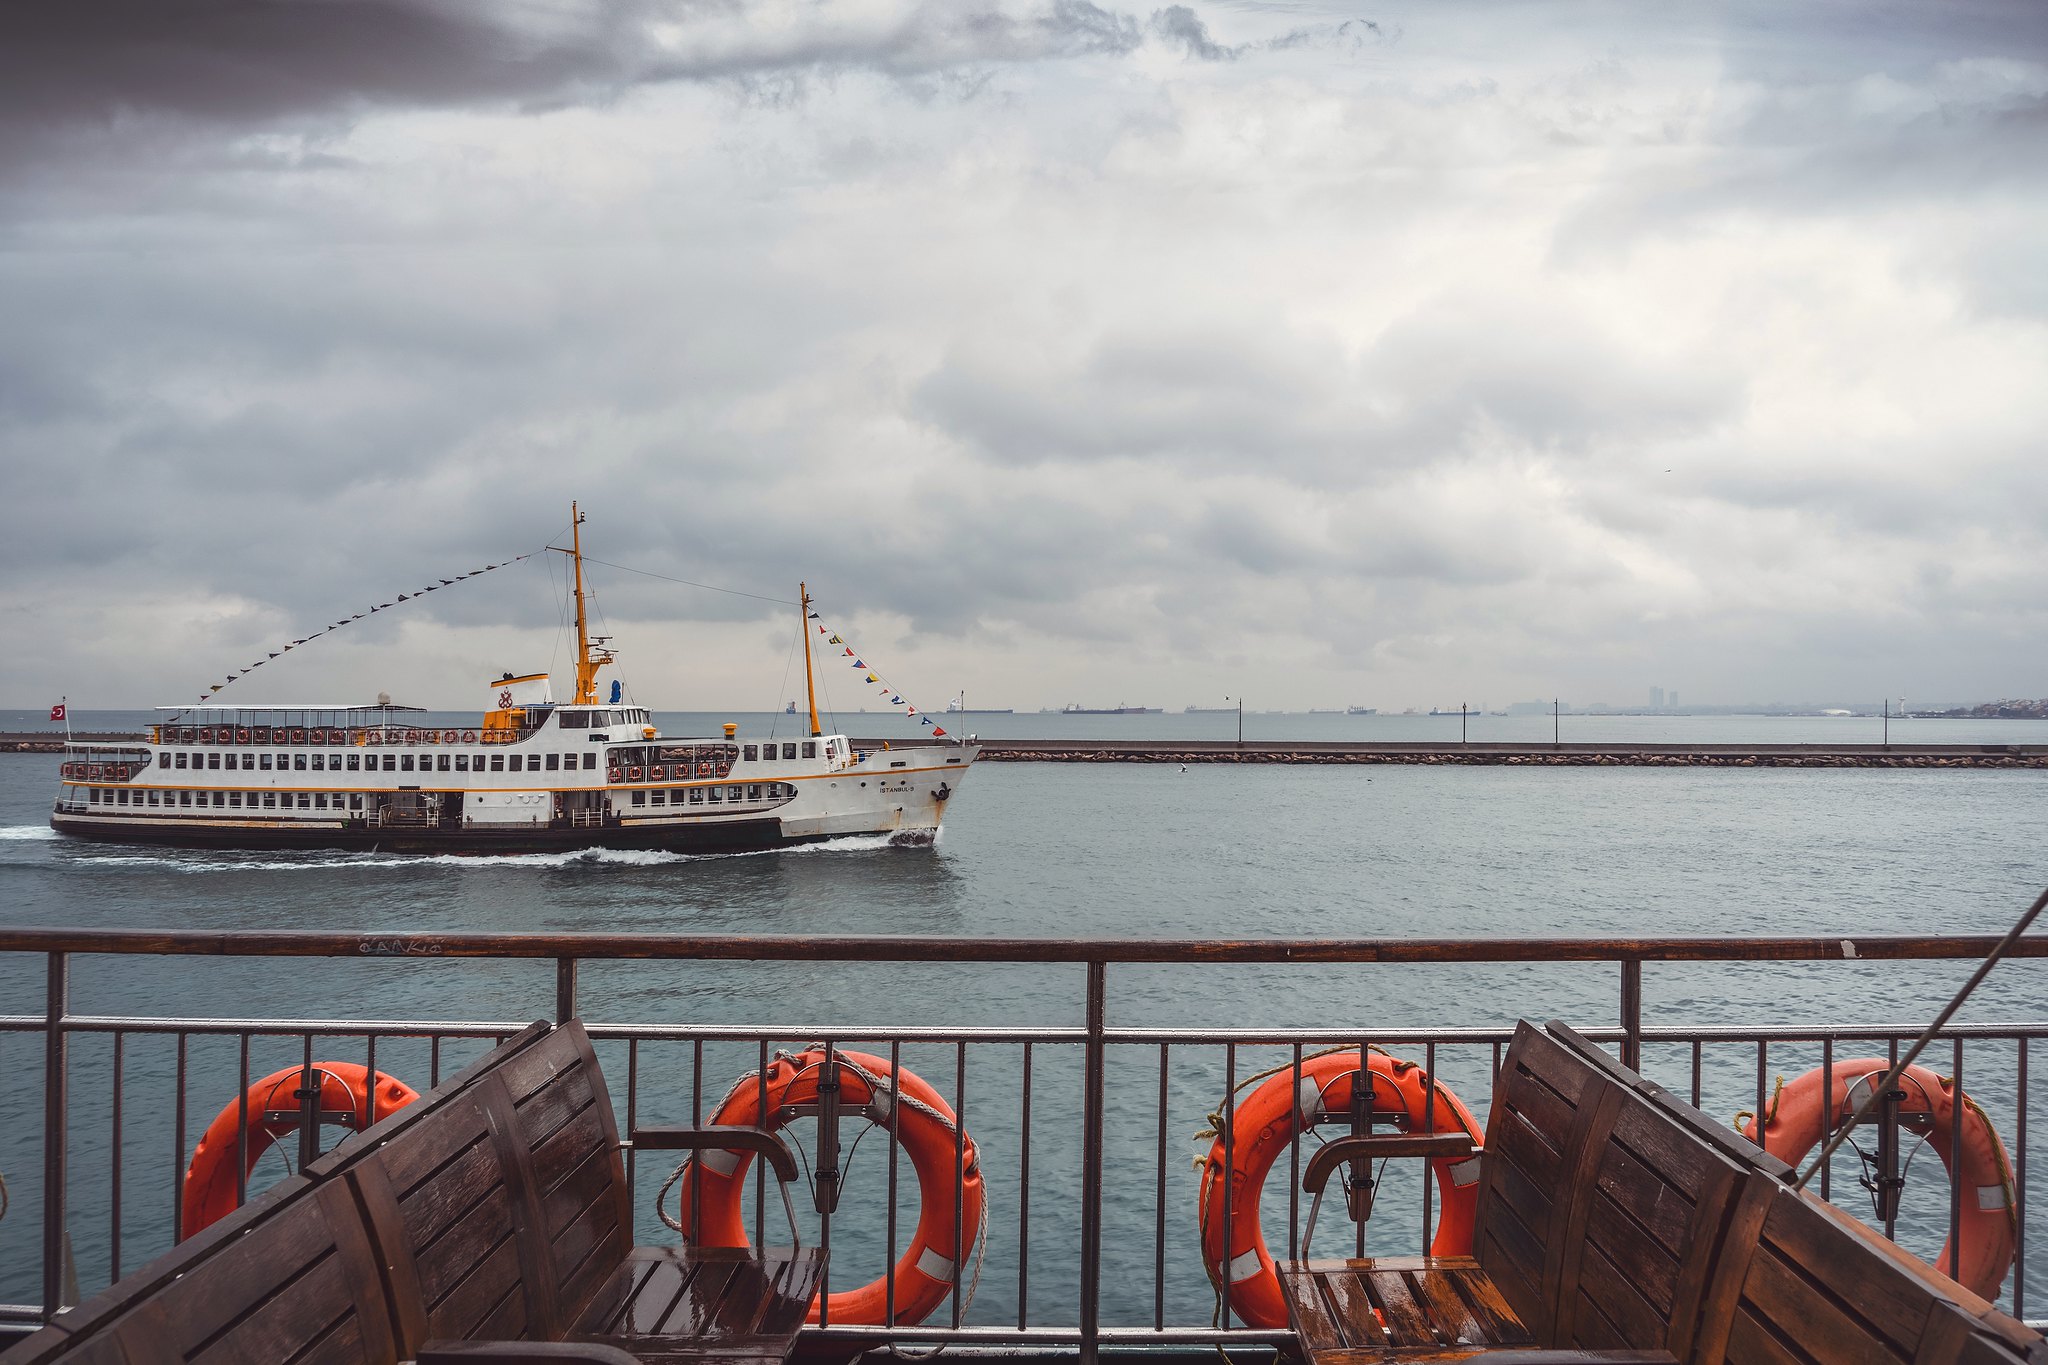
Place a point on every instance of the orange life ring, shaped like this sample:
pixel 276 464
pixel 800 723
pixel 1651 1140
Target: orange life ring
pixel 209 1193
pixel 926 1127
pixel 373 736
pixel 1792 1127
pixel 94 772
pixel 241 736
pixel 634 774
pixel 703 770
pixel 1266 1127
pixel 206 734
pixel 412 736
pixel 298 736
pixel 658 773
pixel 449 737
pixel 613 775
pixel 469 736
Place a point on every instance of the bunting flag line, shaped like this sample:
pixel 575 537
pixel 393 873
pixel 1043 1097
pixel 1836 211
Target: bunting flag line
pixel 348 620
pixel 892 695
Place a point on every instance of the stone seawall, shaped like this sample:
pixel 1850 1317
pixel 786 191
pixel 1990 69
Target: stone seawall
pixel 1568 756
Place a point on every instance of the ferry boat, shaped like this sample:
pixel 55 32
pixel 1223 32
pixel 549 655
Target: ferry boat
pixel 530 775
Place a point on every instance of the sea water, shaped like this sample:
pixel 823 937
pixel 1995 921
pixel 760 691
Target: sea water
pixel 1042 850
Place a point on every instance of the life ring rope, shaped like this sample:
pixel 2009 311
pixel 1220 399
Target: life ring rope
pixel 804 1062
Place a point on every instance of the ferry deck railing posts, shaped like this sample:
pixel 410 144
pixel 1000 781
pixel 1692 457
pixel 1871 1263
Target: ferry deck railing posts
pixel 1702 1051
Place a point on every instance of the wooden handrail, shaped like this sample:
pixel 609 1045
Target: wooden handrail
pixel 917 948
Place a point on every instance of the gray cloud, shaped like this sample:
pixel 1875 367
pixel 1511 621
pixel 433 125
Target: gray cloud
pixel 1526 354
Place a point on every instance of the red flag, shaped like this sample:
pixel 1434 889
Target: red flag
pixel 57 711
pixel 936 730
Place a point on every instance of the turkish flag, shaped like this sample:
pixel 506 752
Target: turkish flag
pixel 57 711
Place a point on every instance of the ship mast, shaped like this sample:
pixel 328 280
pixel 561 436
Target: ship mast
pixel 587 663
pixel 803 593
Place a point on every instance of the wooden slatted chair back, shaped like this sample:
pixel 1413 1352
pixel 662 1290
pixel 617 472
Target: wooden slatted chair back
pixel 1804 1283
pixel 299 1287
pixel 502 1213
pixel 1545 1105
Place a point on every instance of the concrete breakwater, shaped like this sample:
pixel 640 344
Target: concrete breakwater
pixel 1402 751
pixel 1495 754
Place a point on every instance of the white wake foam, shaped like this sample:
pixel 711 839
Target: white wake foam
pixel 204 860
pixel 25 833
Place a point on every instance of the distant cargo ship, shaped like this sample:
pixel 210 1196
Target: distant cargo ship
pixel 1210 711
pixel 1361 710
pixel 1074 709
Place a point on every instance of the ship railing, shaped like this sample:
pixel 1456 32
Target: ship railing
pixel 1084 1127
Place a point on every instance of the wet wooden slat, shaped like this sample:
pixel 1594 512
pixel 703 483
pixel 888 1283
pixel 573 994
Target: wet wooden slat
pixel 1407 1325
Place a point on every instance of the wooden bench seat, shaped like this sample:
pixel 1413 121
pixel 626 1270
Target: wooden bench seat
pixel 1615 1218
pixel 485 1224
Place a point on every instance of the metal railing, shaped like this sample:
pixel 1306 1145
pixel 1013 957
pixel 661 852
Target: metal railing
pixel 1046 1281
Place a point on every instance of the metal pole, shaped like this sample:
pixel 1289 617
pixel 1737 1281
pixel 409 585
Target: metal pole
pixel 1632 1014
pixel 1887 722
pixel 1898 1067
pixel 1091 1171
pixel 565 989
pixel 56 1104
pixel 1461 722
pixel 1555 729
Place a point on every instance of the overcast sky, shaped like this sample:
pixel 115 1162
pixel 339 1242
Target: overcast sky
pixel 1392 354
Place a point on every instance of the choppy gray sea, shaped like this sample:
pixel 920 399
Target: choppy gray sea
pixel 1033 850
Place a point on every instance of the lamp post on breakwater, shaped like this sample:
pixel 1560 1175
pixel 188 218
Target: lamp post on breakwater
pixel 1240 719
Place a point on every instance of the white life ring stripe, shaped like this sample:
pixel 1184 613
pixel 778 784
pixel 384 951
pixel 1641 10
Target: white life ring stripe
pixel 940 1268
pixel 1244 1266
pixel 1991 1197
pixel 1466 1172
pixel 720 1162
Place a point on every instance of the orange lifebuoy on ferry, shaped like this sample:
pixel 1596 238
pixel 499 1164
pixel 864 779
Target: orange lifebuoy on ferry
pixel 298 736
pixel 272 1107
pixel 449 736
pixel 206 734
pixel 657 773
pixel 1266 1124
pixel 1988 1224
pixel 614 775
pixel 943 1157
pixel 241 736
pixel 633 774
pixel 703 770
pixel 469 736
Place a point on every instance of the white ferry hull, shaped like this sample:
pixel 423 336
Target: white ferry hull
pixel 621 800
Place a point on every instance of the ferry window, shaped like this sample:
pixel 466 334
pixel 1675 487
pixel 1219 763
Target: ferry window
pixel 270 800
pixel 220 799
pixel 462 763
pixel 319 800
pixel 573 720
pixel 234 799
pixel 355 762
pixel 497 763
pixel 732 793
pixel 696 796
pixel 298 763
pixel 589 760
pixel 639 798
pixel 810 748
pixel 675 797
pixel 753 791
pixel 213 760
pixel 442 765
pixel 355 800
pixel 749 752
pixel 153 799
pixel 517 762
pixel 181 760
pixel 660 798
pixel 263 762
pixel 717 794
pixel 163 760
pixel 554 762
